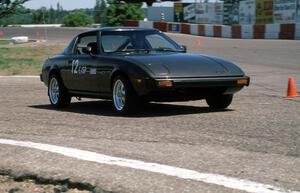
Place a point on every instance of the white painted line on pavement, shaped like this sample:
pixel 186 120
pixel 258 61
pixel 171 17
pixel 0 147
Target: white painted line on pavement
pixel 229 182
pixel 17 76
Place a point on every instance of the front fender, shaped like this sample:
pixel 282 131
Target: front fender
pixel 137 76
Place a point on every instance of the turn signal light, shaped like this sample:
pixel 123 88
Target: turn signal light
pixel 139 81
pixel 242 81
pixel 165 83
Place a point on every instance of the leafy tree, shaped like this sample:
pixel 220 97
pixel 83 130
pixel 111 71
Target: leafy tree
pixel 59 13
pixel 118 11
pixel 77 19
pixel 40 16
pixel 48 16
pixel 51 15
pixel 100 12
pixel 8 7
pixel 149 2
pixel 16 19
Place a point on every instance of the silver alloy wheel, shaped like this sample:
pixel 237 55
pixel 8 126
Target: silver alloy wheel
pixel 119 95
pixel 54 91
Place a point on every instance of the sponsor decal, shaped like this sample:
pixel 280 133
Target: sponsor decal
pixel 264 11
pixel 247 12
pixel 77 68
pixel 199 12
pixel 285 11
pixel 231 12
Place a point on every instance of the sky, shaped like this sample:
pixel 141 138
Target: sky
pixel 73 4
pixel 66 4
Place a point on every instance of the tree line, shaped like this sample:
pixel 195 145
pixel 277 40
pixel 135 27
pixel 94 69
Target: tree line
pixel 105 12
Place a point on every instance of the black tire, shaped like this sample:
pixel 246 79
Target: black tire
pixel 63 99
pixel 219 101
pixel 124 104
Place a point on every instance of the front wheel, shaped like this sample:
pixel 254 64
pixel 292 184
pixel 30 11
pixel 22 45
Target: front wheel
pixel 219 101
pixel 124 98
pixel 58 94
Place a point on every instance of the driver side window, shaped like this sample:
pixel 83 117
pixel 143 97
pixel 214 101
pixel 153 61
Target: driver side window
pixel 84 41
pixel 112 43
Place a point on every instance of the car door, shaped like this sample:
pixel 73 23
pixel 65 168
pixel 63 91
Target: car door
pixel 82 66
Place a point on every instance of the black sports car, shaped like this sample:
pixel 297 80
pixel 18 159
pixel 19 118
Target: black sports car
pixel 134 65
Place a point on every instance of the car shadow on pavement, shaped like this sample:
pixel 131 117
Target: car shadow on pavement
pixel 104 108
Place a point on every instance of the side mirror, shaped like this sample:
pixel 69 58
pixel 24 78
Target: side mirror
pixel 184 49
pixel 87 50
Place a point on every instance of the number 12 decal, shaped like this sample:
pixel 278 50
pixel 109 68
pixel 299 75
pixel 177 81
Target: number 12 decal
pixel 77 69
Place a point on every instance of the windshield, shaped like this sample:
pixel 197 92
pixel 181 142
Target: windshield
pixel 133 41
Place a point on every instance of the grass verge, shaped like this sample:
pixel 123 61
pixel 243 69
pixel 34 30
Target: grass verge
pixel 4 42
pixel 25 59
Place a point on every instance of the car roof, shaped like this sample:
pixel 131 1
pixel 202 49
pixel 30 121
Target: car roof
pixel 120 29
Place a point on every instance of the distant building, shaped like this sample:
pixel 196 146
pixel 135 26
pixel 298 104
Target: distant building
pixel 228 12
pixel 160 13
pixel 206 13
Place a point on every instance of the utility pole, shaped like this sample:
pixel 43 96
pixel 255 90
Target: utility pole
pixel 297 19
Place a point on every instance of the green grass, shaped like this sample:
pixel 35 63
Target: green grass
pixel 4 42
pixel 6 63
pixel 18 60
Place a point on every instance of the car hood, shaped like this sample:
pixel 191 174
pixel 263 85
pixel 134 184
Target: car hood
pixel 179 65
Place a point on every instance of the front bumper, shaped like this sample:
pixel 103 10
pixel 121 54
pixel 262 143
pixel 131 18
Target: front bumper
pixel 209 82
pixel 174 89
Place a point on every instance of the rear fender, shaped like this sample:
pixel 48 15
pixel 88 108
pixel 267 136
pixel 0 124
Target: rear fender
pixel 53 70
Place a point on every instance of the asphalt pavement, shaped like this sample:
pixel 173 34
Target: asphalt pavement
pixel 256 139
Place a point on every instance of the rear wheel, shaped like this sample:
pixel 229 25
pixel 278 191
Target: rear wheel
pixel 124 98
pixel 219 101
pixel 57 93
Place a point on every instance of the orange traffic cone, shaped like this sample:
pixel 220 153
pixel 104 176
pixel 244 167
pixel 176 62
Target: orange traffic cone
pixel 198 43
pixel 291 91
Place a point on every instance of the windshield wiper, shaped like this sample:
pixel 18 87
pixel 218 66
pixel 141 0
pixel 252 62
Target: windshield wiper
pixel 165 49
pixel 147 50
pixel 134 50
